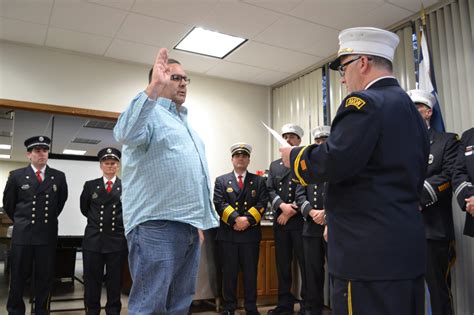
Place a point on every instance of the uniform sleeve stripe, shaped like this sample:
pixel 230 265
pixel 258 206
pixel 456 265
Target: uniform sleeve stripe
pixel 275 200
pixel 431 191
pixel 255 214
pixel 461 187
pixel 227 212
pixel 297 165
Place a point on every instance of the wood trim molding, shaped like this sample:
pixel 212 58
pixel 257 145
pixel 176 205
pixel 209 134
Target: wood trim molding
pixel 57 109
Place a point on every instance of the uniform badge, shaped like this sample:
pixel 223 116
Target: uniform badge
pixel 254 193
pixel 41 139
pixel 430 159
pixel 25 187
pixel 109 150
pixel 357 102
pixel 229 189
pixel 94 195
pixel 55 188
pixel 468 150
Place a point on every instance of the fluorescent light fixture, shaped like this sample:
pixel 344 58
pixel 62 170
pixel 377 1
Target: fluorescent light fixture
pixel 74 152
pixel 4 156
pixel 209 43
pixel 5 147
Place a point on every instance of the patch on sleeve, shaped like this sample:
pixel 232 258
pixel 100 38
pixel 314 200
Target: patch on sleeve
pixel 356 102
pixel 303 165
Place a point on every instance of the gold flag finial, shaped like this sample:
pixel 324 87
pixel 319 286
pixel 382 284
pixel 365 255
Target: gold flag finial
pixel 423 15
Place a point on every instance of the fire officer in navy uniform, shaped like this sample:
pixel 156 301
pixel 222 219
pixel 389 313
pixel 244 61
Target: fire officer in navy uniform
pixel 437 209
pixel 240 198
pixel 463 179
pixel 104 242
pixel 34 197
pixel 287 225
pixel 374 162
pixel 310 200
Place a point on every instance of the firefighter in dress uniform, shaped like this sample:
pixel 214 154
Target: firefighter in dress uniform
pixel 436 207
pixel 374 164
pixel 463 178
pixel 34 197
pixel 104 242
pixel 287 226
pixel 310 200
pixel 240 198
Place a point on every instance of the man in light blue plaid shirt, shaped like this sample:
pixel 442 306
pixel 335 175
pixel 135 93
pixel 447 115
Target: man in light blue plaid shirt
pixel 166 193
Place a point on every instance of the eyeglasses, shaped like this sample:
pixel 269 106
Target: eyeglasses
pixel 179 77
pixel 341 68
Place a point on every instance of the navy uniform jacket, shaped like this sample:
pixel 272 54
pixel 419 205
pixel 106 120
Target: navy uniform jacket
pixel 463 176
pixel 231 202
pixel 436 197
pixel 308 198
pixel 281 189
pixel 104 231
pixel 33 207
pixel 375 163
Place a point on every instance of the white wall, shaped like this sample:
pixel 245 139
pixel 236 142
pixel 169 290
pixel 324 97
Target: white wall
pixel 222 111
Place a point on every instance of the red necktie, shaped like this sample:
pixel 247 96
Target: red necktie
pixel 38 176
pixel 109 186
pixel 241 183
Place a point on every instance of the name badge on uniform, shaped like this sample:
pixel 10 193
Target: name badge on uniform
pixel 25 187
pixel 468 150
pixel 430 159
pixel 55 188
pixel 254 193
pixel 94 195
pixel 229 189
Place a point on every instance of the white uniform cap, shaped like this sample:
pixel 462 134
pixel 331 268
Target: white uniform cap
pixel 292 128
pixel 240 147
pixel 321 131
pixel 423 97
pixel 366 41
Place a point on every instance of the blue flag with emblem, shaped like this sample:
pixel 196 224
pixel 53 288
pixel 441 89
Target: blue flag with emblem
pixel 427 82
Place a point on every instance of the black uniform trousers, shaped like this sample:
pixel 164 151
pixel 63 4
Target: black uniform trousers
pixel 94 277
pixel 36 261
pixel 314 257
pixel 235 257
pixel 407 297
pixel 288 242
pixel 438 277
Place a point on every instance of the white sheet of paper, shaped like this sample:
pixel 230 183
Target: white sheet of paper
pixel 277 136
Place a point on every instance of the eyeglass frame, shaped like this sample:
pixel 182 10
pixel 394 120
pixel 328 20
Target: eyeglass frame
pixel 341 67
pixel 179 78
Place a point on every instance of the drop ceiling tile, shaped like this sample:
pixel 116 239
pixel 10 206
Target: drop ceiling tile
pixel 121 49
pixel 83 42
pixel 272 58
pixel 184 11
pixel 37 11
pixel 283 6
pixel 234 71
pixel 413 6
pixel 193 62
pixel 338 14
pixel 23 32
pixel 300 35
pixel 152 31
pixel 387 15
pixel 228 18
pixel 118 4
pixel 268 77
pixel 86 17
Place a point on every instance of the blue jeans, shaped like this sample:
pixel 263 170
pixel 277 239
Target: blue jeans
pixel 163 259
